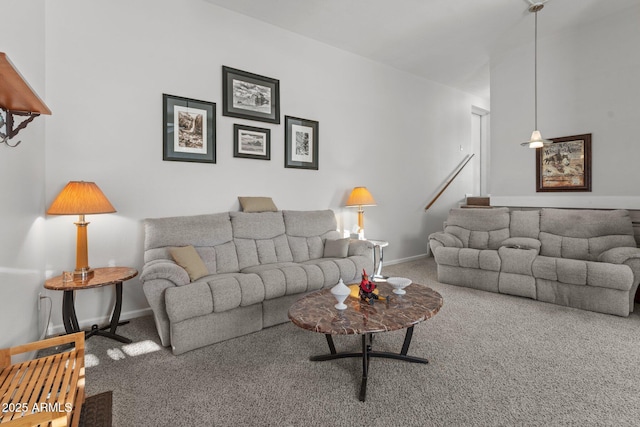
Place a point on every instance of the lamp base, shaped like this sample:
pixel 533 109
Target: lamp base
pixel 83 274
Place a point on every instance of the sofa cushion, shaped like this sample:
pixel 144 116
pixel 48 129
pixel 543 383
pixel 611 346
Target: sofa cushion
pixel 213 294
pixel 256 225
pixel 307 232
pixel 583 273
pixel 469 258
pixel 260 238
pixel 336 248
pixel 231 291
pixel 582 233
pixel 287 278
pixel 187 258
pixel 485 259
pixel 197 230
pixel 525 224
pixel 192 300
pixel 479 228
pixel 221 258
pixel 330 270
pixel 309 223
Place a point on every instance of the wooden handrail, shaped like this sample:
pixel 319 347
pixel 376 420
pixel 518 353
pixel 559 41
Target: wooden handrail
pixel 464 163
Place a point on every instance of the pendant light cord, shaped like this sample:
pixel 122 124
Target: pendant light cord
pixel 535 71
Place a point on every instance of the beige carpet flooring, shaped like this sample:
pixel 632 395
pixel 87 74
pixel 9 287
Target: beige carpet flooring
pixel 495 360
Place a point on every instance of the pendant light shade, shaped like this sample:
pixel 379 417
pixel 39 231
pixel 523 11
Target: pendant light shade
pixel 536 140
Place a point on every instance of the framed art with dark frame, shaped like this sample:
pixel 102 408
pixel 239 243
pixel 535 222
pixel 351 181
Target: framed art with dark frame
pixel 189 128
pixel 250 96
pixel 251 143
pixel 300 143
pixel 564 165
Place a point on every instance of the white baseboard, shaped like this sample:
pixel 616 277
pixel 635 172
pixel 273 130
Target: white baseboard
pixel 87 323
pixel 401 260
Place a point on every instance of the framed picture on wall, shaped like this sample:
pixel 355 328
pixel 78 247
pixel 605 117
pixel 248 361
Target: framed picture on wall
pixel 565 164
pixel 189 129
pixel 251 143
pixel 300 143
pixel 250 96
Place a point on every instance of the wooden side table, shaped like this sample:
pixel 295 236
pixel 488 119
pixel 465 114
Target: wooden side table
pixel 101 277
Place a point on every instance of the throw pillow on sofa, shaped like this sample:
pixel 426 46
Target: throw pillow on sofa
pixel 257 204
pixel 338 248
pixel 188 258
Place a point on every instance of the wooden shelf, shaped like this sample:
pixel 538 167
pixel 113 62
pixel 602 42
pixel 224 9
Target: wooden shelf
pixel 15 93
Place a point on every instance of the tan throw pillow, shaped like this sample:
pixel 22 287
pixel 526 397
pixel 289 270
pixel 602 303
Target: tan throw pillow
pixel 336 248
pixel 257 204
pixel 188 258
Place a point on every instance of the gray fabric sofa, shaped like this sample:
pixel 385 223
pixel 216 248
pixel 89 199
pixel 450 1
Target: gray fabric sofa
pixel 258 264
pixel 586 259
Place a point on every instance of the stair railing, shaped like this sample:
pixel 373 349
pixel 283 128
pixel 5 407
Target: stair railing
pixel 462 165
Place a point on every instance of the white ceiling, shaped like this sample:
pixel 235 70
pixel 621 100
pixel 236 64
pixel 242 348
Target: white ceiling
pixel 447 41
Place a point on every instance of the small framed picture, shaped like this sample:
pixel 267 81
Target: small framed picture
pixel 564 165
pixel 251 143
pixel 300 143
pixel 250 96
pixel 189 130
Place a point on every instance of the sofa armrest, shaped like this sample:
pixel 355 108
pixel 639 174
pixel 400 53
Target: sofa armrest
pixel 167 270
pixel 630 257
pixel 619 255
pixel 360 248
pixel 446 239
pixel 522 243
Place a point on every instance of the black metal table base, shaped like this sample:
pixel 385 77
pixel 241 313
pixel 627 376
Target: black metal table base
pixel 71 321
pixel 367 353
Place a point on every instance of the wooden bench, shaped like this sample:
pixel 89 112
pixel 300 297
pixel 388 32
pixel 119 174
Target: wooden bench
pixel 47 391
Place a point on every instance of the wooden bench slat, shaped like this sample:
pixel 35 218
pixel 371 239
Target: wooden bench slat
pixel 55 382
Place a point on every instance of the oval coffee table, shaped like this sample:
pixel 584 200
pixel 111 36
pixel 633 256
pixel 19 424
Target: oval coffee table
pixel 315 312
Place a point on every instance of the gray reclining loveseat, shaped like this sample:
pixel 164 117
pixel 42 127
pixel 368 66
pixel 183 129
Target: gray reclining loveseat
pixel 257 265
pixel 586 259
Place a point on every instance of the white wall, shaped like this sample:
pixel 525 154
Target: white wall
pixel 108 64
pixel 22 182
pixel 587 83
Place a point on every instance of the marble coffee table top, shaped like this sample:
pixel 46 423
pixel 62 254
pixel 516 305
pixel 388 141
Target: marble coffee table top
pixel 316 311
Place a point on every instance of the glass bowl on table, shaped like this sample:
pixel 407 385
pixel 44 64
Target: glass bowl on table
pixel 398 284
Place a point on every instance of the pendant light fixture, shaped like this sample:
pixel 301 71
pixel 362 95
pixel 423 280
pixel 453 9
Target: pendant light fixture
pixel 536 140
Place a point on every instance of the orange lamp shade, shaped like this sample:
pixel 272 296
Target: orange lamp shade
pixel 360 196
pixel 80 198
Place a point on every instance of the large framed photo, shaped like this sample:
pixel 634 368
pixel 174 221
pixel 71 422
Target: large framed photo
pixel 189 129
pixel 250 96
pixel 251 143
pixel 564 165
pixel 300 143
